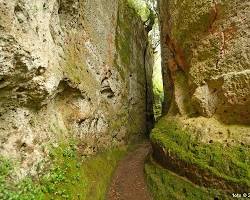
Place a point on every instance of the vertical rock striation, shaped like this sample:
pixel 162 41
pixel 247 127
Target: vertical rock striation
pixel 71 69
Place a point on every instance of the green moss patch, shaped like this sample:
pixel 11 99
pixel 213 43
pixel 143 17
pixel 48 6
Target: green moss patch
pixel 23 190
pixel 128 32
pixel 124 39
pixel 141 8
pixel 70 176
pixel 164 184
pixel 228 163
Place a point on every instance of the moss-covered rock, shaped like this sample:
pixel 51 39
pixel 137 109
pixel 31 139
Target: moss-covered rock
pixel 69 175
pixel 75 68
pixel 205 136
pixel 165 184
pixel 212 165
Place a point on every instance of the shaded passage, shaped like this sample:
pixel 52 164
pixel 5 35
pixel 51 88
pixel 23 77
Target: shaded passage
pixel 129 181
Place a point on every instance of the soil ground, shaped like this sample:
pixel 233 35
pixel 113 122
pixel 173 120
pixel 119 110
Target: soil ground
pixel 129 182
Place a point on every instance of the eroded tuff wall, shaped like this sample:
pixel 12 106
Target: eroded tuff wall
pixel 71 69
pixel 205 46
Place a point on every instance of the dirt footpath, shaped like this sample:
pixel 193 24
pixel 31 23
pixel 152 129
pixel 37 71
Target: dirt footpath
pixel 128 182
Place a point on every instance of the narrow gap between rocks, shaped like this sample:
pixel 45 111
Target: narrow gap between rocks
pixel 129 182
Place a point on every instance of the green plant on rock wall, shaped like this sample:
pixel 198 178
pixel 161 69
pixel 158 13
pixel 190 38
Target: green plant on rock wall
pixel 70 176
pixel 23 190
pixel 140 7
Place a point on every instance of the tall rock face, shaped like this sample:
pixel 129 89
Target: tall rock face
pixel 78 69
pixel 206 66
pixel 206 73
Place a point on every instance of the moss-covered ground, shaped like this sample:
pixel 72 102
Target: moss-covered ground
pixel 165 185
pixel 229 163
pixel 69 176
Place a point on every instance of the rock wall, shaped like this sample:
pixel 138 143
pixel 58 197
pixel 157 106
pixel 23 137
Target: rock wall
pixel 71 69
pixel 206 75
pixel 206 59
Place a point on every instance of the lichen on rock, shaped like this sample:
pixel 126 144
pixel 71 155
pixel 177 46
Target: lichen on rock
pixel 70 69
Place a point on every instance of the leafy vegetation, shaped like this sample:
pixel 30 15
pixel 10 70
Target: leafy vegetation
pixel 230 163
pixel 141 8
pixel 24 190
pixel 69 177
pixel 165 185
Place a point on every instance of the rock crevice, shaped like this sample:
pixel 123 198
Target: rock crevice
pixel 71 69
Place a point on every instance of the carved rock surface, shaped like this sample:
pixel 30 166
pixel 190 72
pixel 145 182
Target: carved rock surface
pixel 71 69
pixel 207 44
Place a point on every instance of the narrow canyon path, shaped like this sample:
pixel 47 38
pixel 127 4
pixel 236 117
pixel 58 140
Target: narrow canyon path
pixel 128 181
